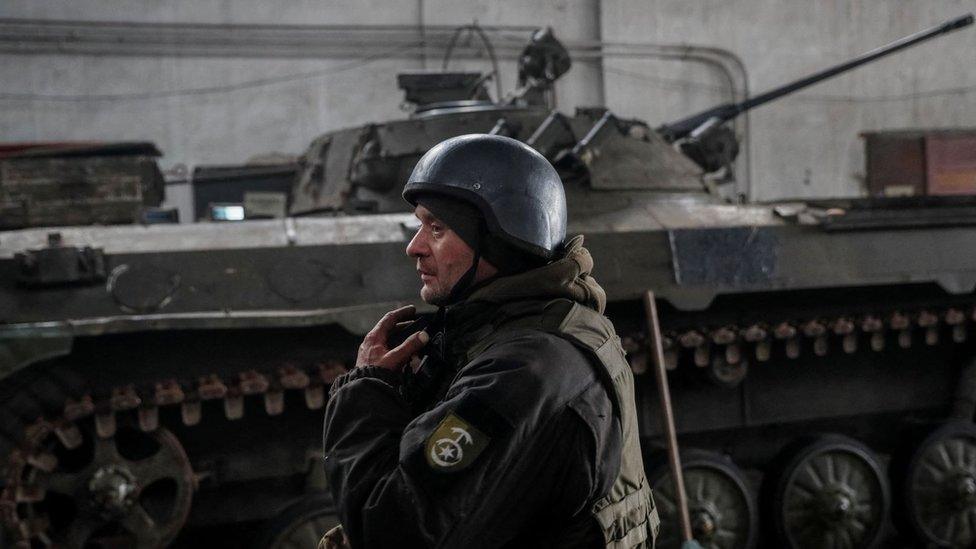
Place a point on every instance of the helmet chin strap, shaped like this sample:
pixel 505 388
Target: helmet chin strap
pixel 464 283
pixel 460 288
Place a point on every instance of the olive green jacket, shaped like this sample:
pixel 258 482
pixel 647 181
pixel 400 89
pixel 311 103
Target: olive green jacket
pixel 533 440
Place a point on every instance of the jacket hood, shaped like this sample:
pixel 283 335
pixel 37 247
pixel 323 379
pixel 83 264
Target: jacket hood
pixel 566 277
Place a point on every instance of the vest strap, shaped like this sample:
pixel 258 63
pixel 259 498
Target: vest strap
pixel 630 521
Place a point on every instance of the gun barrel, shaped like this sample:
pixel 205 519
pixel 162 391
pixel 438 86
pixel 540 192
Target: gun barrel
pixel 682 128
pixel 897 45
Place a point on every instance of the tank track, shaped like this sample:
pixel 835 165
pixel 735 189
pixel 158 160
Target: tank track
pixel 734 343
pixel 731 343
pixel 146 401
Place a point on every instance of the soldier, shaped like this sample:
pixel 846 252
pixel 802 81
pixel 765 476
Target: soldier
pixel 519 428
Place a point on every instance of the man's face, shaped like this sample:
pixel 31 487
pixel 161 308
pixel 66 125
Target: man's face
pixel 442 258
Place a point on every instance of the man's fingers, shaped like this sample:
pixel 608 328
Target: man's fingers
pixel 407 349
pixel 391 318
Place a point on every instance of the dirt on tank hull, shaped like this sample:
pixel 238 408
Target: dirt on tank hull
pixel 168 378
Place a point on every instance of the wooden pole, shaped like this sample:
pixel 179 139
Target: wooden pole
pixel 660 372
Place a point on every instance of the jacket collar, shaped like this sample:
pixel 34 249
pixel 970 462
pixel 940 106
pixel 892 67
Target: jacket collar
pixel 504 298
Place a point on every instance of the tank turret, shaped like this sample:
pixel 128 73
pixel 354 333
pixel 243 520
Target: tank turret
pixel 361 169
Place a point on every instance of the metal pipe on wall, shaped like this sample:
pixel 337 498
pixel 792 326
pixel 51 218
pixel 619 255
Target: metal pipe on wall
pixel 31 37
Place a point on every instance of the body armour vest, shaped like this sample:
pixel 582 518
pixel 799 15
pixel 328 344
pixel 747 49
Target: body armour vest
pixel 626 514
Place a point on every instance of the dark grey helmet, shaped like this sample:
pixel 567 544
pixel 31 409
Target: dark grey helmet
pixel 517 190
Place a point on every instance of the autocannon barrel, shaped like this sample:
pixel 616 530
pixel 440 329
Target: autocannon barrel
pixel 684 127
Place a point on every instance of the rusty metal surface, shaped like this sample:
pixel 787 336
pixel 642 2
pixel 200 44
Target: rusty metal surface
pixel 921 162
pixel 895 163
pixel 78 185
pixel 951 163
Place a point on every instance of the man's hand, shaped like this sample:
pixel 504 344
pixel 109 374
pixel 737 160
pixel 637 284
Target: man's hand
pixel 374 351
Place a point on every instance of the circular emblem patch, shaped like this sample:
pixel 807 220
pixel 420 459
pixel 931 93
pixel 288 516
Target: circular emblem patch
pixel 454 444
pixel 448 452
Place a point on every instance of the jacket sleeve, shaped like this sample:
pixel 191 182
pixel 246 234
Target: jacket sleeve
pixel 450 476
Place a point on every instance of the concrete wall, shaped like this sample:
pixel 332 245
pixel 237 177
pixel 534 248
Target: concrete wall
pixel 807 145
pixel 803 146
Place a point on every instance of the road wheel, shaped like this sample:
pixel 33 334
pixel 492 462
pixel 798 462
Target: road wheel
pixel 827 492
pixel 300 525
pixel 938 487
pixel 132 489
pixel 723 514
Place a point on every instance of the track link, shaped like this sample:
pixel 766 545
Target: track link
pixel 29 427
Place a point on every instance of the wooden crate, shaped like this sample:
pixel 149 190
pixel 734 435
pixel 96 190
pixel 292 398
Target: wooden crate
pixel 921 162
pixel 78 184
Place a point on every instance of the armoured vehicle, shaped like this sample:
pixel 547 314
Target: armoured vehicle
pixel 160 378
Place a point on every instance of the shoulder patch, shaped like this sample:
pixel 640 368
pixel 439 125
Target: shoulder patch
pixel 454 444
